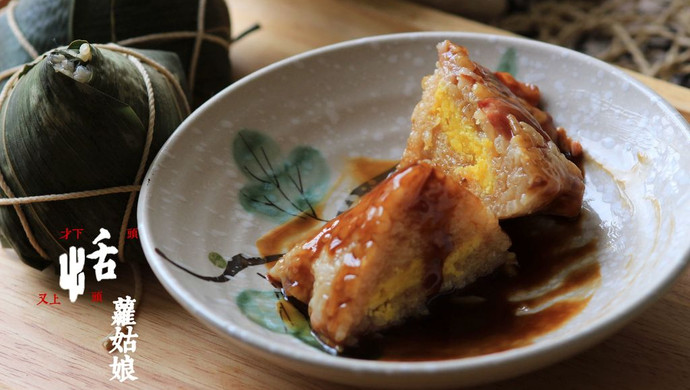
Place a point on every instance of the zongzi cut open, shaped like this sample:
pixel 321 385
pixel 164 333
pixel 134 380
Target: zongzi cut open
pixel 480 150
pixel 487 131
pixel 81 125
pixel 417 234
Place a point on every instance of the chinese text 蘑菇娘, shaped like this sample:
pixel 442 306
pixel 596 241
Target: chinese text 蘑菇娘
pixel 123 342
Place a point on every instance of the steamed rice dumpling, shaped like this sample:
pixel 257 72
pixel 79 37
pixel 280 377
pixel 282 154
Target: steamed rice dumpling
pixel 480 150
pixel 415 235
pixel 169 25
pixel 77 120
pixel 487 131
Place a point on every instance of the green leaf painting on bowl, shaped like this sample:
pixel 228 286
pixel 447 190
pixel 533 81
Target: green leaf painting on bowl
pixel 508 62
pixel 270 310
pixel 279 187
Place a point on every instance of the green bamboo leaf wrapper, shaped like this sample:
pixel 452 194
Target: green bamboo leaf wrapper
pixel 49 23
pixel 59 135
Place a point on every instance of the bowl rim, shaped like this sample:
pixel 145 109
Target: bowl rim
pixel 560 348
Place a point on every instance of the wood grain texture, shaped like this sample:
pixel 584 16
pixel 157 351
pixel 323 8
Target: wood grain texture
pixel 59 347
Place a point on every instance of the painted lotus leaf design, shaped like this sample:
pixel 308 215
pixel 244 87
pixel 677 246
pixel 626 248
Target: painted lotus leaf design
pixel 508 62
pixel 279 186
pixel 270 310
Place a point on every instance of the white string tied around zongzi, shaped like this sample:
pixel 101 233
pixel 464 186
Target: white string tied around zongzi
pixel 137 59
pixel 155 65
pixel 201 15
pixel 16 202
pixel 5 95
pixel 145 154
pixel 167 36
pixel 9 72
pixel 200 36
pixel 68 196
pixel 136 271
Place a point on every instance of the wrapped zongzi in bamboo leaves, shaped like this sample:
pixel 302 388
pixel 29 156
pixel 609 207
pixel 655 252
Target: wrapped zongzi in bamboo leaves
pixel 198 31
pixel 79 127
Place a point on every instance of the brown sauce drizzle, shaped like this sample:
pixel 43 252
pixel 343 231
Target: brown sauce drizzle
pixel 285 236
pixel 363 169
pixel 522 100
pixel 434 220
pixel 430 210
pixel 529 92
pixel 481 318
pixel 497 111
pixel 512 97
pixel 282 238
pixel 525 99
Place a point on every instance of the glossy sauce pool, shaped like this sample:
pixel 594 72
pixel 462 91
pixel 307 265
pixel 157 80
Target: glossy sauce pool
pixel 554 279
pixel 483 318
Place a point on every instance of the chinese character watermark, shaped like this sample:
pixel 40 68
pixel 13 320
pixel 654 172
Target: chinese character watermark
pixel 124 312
pixel 101 254
pixel 64 234
pixel 72 264
pixel 132 234
pixel 123 342
pixel 123 369
pixel 72 272
pixel 96 296
pixel 43 300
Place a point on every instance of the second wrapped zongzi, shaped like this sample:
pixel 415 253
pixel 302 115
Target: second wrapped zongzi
pixel 78 128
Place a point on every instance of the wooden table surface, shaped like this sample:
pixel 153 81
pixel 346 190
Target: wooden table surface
pixel 60 346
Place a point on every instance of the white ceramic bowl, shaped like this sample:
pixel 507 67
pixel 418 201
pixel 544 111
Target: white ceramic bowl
pixel 355 99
